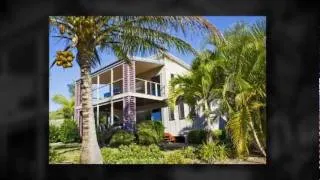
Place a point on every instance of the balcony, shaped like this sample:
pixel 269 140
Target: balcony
pixel 149 87
pixel 142 86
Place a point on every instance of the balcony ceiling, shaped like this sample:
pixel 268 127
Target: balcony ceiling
pixel 141 67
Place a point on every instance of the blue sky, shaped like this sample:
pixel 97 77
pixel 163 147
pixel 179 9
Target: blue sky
pixel 59 77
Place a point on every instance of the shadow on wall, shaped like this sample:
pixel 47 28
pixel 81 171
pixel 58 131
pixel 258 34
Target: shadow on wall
pixel 199 122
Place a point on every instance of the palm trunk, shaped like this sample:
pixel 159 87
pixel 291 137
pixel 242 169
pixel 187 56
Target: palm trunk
pixel 257 139
pixel 208 121
pixel 90 151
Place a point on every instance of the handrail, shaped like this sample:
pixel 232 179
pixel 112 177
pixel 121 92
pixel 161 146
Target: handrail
pixel 147 81
pixel 104 85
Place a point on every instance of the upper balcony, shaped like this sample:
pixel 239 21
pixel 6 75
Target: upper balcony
pixel 145 82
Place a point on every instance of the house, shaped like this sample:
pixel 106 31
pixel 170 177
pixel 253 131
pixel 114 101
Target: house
pixel 127 94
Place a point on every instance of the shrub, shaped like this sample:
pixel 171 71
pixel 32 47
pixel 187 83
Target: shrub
pixel 150 132
pixel 216 134
pixel 54 134
pixel 132 154
pixel 196 136
pixel 189 152
pixel 159 128
pixel 176 157
pixel 69 132
pixel 121 137
pixel 213 152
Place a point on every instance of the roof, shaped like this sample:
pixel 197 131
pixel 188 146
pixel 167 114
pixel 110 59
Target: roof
pixel 157 58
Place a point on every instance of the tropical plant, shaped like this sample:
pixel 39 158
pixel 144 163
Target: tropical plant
pixel 197 136
pixel 124 36
pixel 67 109
pixel 54 132
pixel 122 137
pixel 54 115
pixel 200 88
pixel 212 152
pixel 69 131
pixel 242 55
pixel 150 132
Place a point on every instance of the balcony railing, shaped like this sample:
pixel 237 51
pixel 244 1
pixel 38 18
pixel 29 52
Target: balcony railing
pixel 149 87
pixel 104 90
pixel 142 86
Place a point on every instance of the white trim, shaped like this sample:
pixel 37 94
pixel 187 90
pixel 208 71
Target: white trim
pixel 119 96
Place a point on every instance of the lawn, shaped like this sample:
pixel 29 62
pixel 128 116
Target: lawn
pixel 166 154
pixel 66 153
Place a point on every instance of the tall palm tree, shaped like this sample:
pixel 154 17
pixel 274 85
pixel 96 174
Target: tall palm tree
pixel 124 36
pixel 243 57
pixel 200 87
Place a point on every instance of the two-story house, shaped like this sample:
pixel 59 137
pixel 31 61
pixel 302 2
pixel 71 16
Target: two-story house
pixel 127 94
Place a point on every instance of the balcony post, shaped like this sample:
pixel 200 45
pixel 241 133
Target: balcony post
pixel 156 89
pixel 145 87
pixel 111 83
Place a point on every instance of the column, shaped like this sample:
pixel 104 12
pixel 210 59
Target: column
pixel 129 102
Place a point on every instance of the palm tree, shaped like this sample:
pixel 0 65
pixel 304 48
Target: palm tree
pixel 124 36
pixel 199 88
pixel 242 56
pixel 67 109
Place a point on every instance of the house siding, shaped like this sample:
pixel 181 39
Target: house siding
pixel 177 127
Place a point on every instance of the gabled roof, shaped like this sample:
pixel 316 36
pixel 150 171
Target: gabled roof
pixel 173 58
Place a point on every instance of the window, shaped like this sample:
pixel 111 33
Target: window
pixel 181 110
pixel 172 76
pixel 156 115
pixel 171 114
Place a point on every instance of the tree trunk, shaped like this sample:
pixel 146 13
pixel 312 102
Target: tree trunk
pixel 90 151
pixel 208 122
pixel 257 139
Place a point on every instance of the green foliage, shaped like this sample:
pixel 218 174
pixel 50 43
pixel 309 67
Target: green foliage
pixel 54 132
pixel 67 106
pixel 150 132
pixel 159 128
pixel 132 154
pixel 54 115
pixel 196 136
pixel 176 157
pixel 121 137
pixel 212 152
pixel 217 135
pixel 234 76
pixel 69 132
pixel 189 152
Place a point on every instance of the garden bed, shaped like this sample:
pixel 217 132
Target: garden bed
pixel 134 154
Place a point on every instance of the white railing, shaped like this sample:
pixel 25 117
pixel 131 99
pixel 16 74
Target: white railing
pixel 102 91
pixel 143 86
pixel 149 87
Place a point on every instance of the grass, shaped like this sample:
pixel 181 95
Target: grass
pixel 68 153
